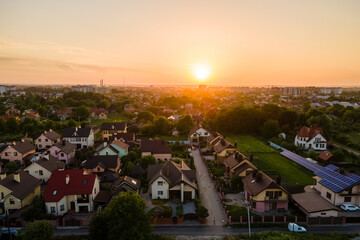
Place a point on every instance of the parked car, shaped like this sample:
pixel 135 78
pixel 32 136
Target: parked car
pixel 293 227
pixel 350 207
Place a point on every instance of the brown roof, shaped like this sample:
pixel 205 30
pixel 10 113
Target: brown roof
pixel 223 144
pixel 51 134
pixel 131 183
pixel 23 146
pixel 309 132
pixel 113 126
pixel 103 196
pixel 230 161
pixel 137 170
pixel 243 167
pixel 176 174
pixel 120 144
pixel 154 146
pixel 325 155
pixel 106 162
pixel 51 164
pixel 255 187
pixel 311 202
pixel 22 189
pixel 65 146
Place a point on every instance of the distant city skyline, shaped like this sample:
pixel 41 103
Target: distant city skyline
pixel 245 42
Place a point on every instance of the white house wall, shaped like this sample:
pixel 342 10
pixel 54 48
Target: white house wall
pixel 34 170
pixel 164 188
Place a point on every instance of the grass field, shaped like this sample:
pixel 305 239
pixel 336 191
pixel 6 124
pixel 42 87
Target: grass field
pixel 248 144
pixel 293 176
pixel 354 137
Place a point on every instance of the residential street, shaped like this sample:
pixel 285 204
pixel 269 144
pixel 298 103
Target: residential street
pixel 208 193
pixel 179 230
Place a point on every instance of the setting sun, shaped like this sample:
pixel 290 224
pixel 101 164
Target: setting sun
pixel 201 71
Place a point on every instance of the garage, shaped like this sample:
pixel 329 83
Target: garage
pixel 173 194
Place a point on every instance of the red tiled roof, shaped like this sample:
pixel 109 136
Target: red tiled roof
pixel 310 132
pixel 325 155
pixel 79 183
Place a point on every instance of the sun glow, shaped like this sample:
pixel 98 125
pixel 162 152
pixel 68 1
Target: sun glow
pixel 201 71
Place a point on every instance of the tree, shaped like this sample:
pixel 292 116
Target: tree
pixel 288 117
pixel 72 123
pixel 35 210
pixel 40 230
pixel 147 160
pixel 123 218
pixel 270 128
pixel 162 126
pixel 145 116
pixel 12 125
pixel 2 124
pixel 184 125
pixel 81 112
pixel 312 154
pixel 104 104
pixel 12 167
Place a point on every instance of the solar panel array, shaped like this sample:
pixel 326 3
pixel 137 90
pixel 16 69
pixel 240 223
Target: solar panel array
pixel 330 178
pixel 300 160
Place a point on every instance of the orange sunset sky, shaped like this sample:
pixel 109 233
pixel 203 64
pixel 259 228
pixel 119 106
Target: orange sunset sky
pixel 269 42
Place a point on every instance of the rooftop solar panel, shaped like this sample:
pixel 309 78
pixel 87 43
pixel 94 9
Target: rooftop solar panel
pixel 330 178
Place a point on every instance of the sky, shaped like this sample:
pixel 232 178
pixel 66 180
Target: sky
pixel 157 42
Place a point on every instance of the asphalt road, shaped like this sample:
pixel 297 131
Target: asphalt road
pixel 208 194
pixel 221 231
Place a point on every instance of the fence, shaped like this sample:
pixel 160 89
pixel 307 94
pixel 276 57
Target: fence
pixel 276 146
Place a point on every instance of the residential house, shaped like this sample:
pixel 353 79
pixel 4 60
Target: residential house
pixel 223 149
pixel 238 165
pixel 99 113
pixel 337 188
pixel 311 138
pixel 30 113
pixel 117 147
pixel 64 114
pixel 97 164
pixel 109 129
pixel 198 134
pixel 158 148
pixel 73 190
pixel 138 171
pixel 264 194
pixel 18 151
pixel 42 168
pixel 81 137
pixel 213 139
pixel 198 120
pixel 17 191
pixel 63 150
pixel 172 181
pixel 124 137
pixel 47 139
pixel 127 184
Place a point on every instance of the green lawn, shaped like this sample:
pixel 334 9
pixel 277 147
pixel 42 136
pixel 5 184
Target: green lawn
pixel 248 144
pixel 111 118
pixel 354 137
pixel 293 176
pixel 344 146
pixel 173 138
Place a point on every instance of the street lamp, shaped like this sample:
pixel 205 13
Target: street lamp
pixel 248 211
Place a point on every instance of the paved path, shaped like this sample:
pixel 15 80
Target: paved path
pixel 349 150
pixel 208 193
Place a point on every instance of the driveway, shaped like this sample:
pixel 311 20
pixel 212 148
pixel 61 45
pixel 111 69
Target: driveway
pixel 208 193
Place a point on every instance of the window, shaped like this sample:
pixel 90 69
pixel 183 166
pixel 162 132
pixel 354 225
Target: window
pixel 328 195
pixel 41 172
pixel 347 199
pixel 52 209
pixel 2 195
pixel 160 193
pixel 46 140
pixel 323 213
pixel 94 190
pixel 7 154
pixel 40 146
pixel 253 205
pixel 15 153
pixel 12 201
pixel 160 183
pixel 39 140
pixel 62 207
pixel 62 154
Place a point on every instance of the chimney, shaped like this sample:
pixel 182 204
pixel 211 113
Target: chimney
pixel 278 180
pixel 14 143
pixel 63 142
pixel 254 172
pixel 76 129
pixel 182 164
pixel 258 177
pixel 167 171
pixel 45 131
pixel 17 176
pixel 3 175
pixel 50 130
pixel 22 140
pixel 67 179
pixel 107 153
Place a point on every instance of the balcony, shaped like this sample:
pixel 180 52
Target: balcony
pixel 276 199
pixel 83 200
